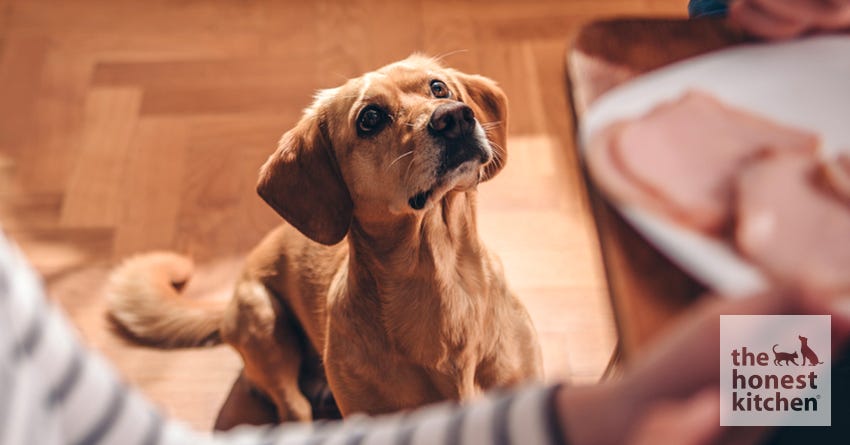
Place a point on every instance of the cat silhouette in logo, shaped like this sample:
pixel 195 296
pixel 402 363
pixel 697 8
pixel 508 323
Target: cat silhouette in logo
pixel 779 357
pixel 807 352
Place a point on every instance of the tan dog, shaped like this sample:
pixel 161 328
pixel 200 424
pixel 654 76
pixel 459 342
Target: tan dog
pixel 380 275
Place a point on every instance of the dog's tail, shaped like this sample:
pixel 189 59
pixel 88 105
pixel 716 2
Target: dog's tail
pixel 143 299
pixel 774 348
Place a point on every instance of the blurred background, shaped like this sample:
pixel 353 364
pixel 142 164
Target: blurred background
pixel 129 126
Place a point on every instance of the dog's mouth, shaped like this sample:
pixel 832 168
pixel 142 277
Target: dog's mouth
pixel 418 201
pixel 457 153
pixel 452 171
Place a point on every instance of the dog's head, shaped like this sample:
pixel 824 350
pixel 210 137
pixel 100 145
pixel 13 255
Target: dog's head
pixel 387 144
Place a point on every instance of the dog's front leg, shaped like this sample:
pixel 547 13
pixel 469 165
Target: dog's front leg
pixel 457 383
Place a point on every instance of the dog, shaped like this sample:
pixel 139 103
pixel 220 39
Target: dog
pixel 377 285
pixel 787 357
pixel 808 353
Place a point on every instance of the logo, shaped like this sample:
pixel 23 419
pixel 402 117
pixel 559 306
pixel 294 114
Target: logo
pixel 775 370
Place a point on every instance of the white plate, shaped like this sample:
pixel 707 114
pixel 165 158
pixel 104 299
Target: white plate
pixel 804 83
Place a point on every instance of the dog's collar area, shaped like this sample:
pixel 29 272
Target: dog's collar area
pixel 418 201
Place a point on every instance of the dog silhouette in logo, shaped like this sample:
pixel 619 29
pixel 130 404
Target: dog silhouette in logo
pixel 807 352
pixel 779 357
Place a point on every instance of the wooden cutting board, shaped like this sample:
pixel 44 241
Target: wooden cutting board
pixel 647 290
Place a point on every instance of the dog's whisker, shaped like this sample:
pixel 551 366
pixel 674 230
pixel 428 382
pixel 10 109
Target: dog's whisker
pixel 399 158
pixel 442 56
pixel 497 163
pixel 407 171
pixel 497 148
pixel 498 155
pixel 497 159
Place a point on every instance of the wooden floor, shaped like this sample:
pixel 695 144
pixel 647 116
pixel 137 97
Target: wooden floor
pixel 127 126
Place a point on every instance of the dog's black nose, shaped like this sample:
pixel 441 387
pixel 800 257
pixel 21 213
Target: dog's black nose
pixel 452 120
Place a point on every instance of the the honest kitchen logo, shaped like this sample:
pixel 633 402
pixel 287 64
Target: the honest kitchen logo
pixel 749 383
pixel 775 370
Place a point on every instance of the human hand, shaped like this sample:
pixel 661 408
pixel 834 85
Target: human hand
pixel 665 385
pixel 692 422
pixel 782 19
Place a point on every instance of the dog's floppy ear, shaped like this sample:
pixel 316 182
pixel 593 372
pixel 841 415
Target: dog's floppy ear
pixel 302 182
pixel 490 105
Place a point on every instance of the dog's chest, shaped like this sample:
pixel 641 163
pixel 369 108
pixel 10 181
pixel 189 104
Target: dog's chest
pixel 445 334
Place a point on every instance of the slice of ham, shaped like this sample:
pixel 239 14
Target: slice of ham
pixel 681 157
pixel 789 224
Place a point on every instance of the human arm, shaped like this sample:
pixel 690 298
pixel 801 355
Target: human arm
pixel 782 19
pixel 53 390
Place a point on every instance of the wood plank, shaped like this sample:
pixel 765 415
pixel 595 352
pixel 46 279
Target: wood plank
pixel 129 16
pixel 450 36
pixel 530 163
pixel 290 29
pixel 8 186
pixel 225 156
pixel 46 166
pixel 181 44
pixel 233 99
pixel 94 193
pixel 155 168
pixel 5 13
pixel 20 210
pixel 20 69
pixel 265 72
pixel 57 252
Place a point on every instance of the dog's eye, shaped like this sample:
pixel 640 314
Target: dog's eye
pixel 440 90
pixel 371 120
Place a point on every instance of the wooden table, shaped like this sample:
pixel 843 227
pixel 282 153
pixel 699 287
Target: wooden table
pixel 647 290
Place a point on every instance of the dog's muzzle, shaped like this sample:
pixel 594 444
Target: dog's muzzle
pixel 461 139
pixel 455 126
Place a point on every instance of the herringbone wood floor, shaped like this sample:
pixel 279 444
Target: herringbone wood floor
pixel 127 126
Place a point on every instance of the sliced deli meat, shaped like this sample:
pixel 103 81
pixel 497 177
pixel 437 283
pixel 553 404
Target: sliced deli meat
pixel 792 226
pixel 608 173
pixel 681 158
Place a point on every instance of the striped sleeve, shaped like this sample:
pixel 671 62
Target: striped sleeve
pixel 54 391
pixel 520 417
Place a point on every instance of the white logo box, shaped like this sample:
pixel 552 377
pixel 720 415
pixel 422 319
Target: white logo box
pixel 756 389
